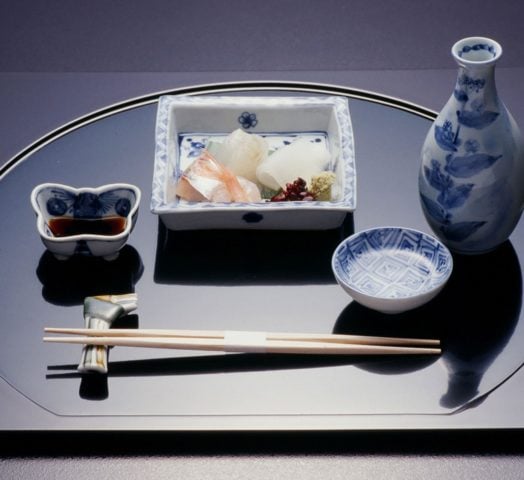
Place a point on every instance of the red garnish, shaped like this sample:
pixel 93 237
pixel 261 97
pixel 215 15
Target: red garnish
pixel 296 191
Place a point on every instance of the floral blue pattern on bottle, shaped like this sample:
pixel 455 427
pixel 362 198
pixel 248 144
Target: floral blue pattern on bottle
pixel 472 170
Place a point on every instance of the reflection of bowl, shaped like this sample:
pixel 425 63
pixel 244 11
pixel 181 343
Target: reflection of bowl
pixel 85 221
pixel 392 269
pixel 356 319
pixel 69 283
pixel 186 125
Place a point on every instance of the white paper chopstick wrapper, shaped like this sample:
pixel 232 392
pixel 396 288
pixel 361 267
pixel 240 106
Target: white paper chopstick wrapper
pixel 247 342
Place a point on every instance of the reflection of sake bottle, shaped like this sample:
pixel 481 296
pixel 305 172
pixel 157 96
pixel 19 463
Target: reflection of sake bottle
pixel 471 180
pixel 475 333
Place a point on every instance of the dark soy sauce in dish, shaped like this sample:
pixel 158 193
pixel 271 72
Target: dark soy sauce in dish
pixel 67 226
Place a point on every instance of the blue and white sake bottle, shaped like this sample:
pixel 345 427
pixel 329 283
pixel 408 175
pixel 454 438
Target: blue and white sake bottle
pixel 471 180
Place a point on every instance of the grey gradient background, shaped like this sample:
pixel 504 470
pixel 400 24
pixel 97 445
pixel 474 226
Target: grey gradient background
pixel 60 59
pixel 241 35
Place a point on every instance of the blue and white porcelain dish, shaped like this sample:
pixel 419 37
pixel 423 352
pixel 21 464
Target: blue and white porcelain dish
pixel 186 124
pixel 114 202
pixel 392 269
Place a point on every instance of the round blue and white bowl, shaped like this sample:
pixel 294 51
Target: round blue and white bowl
pixel 392 269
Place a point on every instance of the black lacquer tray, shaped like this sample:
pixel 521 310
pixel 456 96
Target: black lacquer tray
pixel 245 280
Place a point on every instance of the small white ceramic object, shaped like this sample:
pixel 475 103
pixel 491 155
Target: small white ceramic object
pixel 52 201
pixel 392 269
pixel 186 125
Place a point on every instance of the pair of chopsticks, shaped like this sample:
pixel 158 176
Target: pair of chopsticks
pixel 247 342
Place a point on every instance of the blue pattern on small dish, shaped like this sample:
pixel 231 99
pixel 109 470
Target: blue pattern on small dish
pixel 392 269
pixel 85 204
pixel 52 200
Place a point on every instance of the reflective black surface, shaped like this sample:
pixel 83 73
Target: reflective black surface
pixel 275 281
pixel 247 257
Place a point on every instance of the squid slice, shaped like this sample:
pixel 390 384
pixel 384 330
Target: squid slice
pixel 301 158
pixel 242 152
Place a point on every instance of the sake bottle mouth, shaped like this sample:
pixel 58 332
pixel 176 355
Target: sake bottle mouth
pixel 476 51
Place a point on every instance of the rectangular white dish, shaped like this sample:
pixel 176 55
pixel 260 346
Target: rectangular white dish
pixel 185 122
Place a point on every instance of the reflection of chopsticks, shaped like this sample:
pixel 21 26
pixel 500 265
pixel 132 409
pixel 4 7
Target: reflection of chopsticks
pixel 238 341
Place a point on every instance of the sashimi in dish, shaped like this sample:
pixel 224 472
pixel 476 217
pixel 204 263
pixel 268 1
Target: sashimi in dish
pixel 206 179
pixel 245 168
pixel 253 162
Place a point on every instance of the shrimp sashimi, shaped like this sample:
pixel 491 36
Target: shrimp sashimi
pixel 208 180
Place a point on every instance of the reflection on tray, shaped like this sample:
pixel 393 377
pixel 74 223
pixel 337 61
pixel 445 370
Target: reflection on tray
pixel 96 387
pixel 205 364
pixel 474 316
pixel 247 257
pixel 360 320
pixel 92 386
pixel 473 334
pixel 69 282
pixel 479 314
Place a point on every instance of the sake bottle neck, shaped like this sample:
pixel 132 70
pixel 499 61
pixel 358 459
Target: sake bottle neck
pixel 476 58
pixel 476 86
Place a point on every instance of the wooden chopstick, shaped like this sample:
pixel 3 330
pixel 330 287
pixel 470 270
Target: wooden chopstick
pixel 246 342
pixel 220 334
pixel 268 346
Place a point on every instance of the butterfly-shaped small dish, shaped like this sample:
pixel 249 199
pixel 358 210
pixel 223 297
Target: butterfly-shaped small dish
pixel 85 221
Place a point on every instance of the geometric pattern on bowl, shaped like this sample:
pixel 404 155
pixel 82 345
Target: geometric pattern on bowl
pixel 393 263
pixel 392 269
